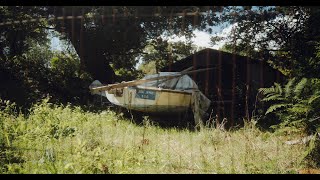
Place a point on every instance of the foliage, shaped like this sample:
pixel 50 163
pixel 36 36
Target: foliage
pixel 296 104
pixel 162 52
pixel 13 38
pixel 63 139
pixel 116 36
pixel 39 73
pixel 125 74
pixel 285 36
pixel 148 68
pixel 104 45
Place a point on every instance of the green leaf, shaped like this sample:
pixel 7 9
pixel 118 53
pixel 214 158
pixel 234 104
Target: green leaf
pixel 288 87
pixel 299 109
pixel 275 107
pixel 313 98
pixel 300 86
pixel 278 88
pixel 266 91
pixel 273 97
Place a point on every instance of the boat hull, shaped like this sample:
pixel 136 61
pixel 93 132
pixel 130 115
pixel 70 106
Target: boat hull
pixel 150 100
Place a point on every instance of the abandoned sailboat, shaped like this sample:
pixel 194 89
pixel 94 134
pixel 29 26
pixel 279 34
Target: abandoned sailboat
pixel 166 92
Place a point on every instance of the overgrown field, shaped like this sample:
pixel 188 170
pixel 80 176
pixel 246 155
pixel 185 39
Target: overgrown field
pixel 61 139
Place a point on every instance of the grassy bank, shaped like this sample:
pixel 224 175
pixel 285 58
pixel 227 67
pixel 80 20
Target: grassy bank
pixel 57 139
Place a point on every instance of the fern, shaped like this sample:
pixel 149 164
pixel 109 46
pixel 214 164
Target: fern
pixel 300 108
pixel 288 87
pixel 273 97
pixel 295 103
pixel 313 99
pixel 299 87
pixel 276 107
pixel 266 91
pixel 274 90
pixel 278 88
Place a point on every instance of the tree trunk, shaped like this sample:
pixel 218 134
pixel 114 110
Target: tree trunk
pixel 92 58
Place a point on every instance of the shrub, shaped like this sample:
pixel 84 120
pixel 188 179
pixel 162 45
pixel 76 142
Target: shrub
pixel 297 104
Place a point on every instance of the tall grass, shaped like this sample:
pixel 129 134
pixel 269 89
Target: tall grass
pixel 64 139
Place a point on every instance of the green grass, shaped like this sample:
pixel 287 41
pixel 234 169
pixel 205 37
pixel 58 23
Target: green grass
pixel 61 139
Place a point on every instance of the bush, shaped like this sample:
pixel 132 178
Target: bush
pixel 297 104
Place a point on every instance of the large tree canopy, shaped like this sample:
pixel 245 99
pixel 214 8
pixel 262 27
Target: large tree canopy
pixel 106 40
pixel 109 39
pixel 288 37
pixel 117 35
pixel 13 37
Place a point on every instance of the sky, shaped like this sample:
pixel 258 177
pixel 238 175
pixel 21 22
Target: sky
pixel 55 44
pixel 201 39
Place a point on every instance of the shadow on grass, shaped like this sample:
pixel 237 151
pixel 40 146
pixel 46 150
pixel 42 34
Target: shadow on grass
pixel 178 121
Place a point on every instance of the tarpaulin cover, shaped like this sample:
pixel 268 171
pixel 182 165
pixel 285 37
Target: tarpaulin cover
pixel 182 83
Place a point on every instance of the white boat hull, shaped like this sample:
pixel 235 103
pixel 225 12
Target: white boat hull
pixel 150 100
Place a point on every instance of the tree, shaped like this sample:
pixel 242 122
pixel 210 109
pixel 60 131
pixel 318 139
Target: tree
pixel 14 36
pixel 107 41
pixel 39 72
pixel 284 36
pixel 117 35
pixel 110 38
pixel 161 52
pixel 148 67
pixel 24 53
